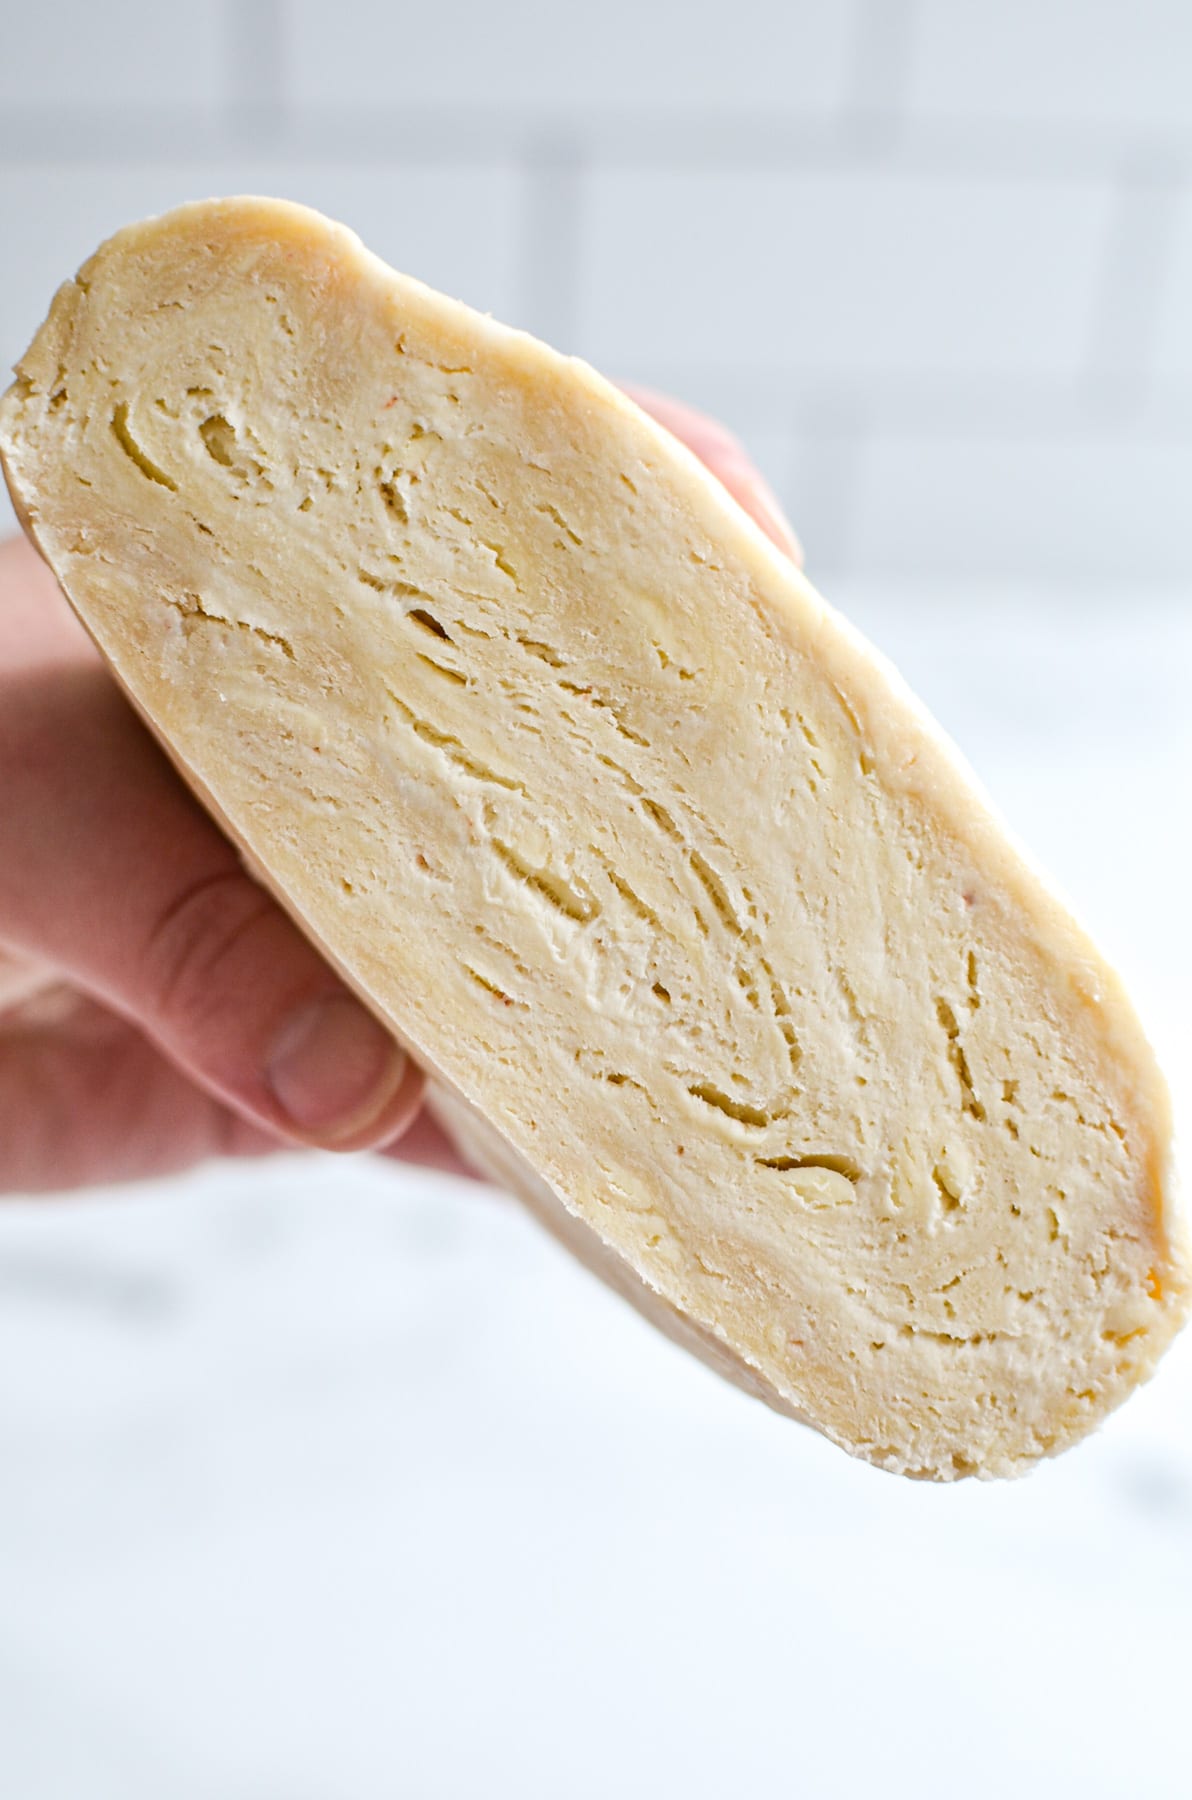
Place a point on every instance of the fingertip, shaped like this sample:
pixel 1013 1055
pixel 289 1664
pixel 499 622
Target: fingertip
pixel 400 1115
pixel 338 1078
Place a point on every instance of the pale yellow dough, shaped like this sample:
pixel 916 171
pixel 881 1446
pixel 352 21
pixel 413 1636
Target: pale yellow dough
pixel 716 952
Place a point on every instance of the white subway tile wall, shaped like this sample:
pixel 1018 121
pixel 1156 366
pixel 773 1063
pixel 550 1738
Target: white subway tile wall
pixel 1070 510
pixel 1055 63
pixel 841 276
pixel 931 258
pixel 549 57
pixel 111 53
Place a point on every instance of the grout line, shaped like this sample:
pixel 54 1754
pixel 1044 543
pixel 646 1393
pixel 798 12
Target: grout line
pixel 825 481
pixel 256 70
pixel 553 200
pixel 969 408
pixel 1137 263
pixel 650 140
pixel 876 101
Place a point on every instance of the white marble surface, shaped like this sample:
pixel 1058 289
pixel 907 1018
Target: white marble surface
pixel 321 1482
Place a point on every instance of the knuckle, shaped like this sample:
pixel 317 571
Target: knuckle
pixel 195 941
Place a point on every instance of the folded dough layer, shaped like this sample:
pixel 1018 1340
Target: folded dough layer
pixel 716 952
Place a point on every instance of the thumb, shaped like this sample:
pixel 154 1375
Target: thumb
pixel 112 874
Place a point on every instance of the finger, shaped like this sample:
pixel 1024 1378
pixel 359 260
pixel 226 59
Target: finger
pixel 37 626
pixel 20 978
pixel 112 873
pixel 86 1099
pixel 725 457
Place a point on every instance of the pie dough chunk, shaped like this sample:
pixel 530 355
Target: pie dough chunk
pixel 713 948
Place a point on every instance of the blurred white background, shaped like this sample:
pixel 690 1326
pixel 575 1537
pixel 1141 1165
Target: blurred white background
pixel 323 1482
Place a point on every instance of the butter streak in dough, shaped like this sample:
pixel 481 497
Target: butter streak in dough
pixel 715 950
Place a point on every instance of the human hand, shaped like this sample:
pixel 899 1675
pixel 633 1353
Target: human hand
pixel 157 1008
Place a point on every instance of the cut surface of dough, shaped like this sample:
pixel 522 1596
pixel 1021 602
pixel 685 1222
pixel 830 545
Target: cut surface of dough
pixel 714 950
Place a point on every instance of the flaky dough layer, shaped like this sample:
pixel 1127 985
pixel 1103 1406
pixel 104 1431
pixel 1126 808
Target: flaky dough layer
pixel 717 954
